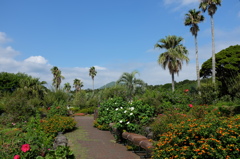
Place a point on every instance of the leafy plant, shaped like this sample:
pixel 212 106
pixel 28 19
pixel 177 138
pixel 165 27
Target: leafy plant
pixel 211 137
pixel 56 124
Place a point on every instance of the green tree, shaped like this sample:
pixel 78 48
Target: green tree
pixel 78 84
pixel 67 87
pixel 131 82
pixel 211 7
pixel 33 87
pixel 57 77
pixel 192 18
pixel 227 66
pixel 10 82
pixel 174 56
pixel 92 73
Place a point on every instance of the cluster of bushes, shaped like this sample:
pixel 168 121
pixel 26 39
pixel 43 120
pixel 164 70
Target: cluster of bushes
pixel 126 116
pixel 203 132
pixel 34 138
pixel 182 128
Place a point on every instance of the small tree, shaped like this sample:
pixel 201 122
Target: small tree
pixel 92 73
pixel 57 77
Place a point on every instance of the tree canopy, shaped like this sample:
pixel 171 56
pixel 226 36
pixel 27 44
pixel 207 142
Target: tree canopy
pixel 227 68
pixel 227 63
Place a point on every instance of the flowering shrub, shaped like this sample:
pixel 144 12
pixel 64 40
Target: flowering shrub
pixel 56 124
pixel 211 137
pixel 32 140
pixel 107 110
pixel 126 116
pixel 26 141
pixel 57 110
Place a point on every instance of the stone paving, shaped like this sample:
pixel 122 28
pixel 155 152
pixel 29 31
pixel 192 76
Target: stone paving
pixel 102 144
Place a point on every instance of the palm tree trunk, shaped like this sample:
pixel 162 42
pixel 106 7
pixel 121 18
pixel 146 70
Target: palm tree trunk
pixel 93 84
pixel 213 51
pixel 173 82
pixel 197 64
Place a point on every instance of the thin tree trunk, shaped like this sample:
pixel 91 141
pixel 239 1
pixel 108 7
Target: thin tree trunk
pixel 197 63
pixel 213 51
pixel 93 84
pixel 173 82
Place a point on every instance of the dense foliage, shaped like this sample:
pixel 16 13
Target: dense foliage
pixel 127 116
pixel 198 134
pixel 227 67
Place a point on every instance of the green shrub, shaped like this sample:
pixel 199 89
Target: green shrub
pixel 87 110
pixel 57 110
pixel 29 133
pixel 126 116
pixel 57 123
pixel 211 137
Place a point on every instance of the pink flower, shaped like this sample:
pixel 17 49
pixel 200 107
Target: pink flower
pixel 13 123
pixel 186 90
pixel 190 105
pixel 16 157
pixel 25 147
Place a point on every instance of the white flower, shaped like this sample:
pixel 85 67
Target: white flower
pixel 116 109
pixel 125 111
pixel 121 107
pixel 132 108
pixel 131 113
pixel 120 121
pixel 128 122
pixel 107 108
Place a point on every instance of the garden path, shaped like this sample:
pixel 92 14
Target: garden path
pixel 91 143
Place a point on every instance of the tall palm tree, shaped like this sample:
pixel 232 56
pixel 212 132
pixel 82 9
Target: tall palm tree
pixel 92 73
pixel 78 84
pixel 131 82
pixel 211 6
pixel 192 18
pixel 67 87
pixel 57 77
pixel 174 56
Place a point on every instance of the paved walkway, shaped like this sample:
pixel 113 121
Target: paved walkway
pixel 102 144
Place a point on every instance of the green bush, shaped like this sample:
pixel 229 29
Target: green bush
pixel 126 116
pixel 87 110
pixel 57 123
pixel 23 133
pixel 211 137
pixel 57 110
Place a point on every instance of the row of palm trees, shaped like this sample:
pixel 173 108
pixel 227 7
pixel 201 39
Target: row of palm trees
pixel 77 83
pixel 176 53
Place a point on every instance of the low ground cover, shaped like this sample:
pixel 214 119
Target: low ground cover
pixel 34 138
pixel 207 136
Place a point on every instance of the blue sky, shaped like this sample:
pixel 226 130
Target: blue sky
pixel 114 36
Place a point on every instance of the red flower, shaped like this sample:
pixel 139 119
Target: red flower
pixel 16 157
pixel 48 108
pixel 186 90
pixel 25 147
pixel 190 105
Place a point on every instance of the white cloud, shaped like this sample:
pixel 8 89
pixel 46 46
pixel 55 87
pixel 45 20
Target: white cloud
pixel 8 52
pixel 180 3
pixel 99 68
pixel 36 59
pixel 4 38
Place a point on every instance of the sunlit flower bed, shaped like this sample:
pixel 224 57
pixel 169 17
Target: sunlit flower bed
pixel 208 137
